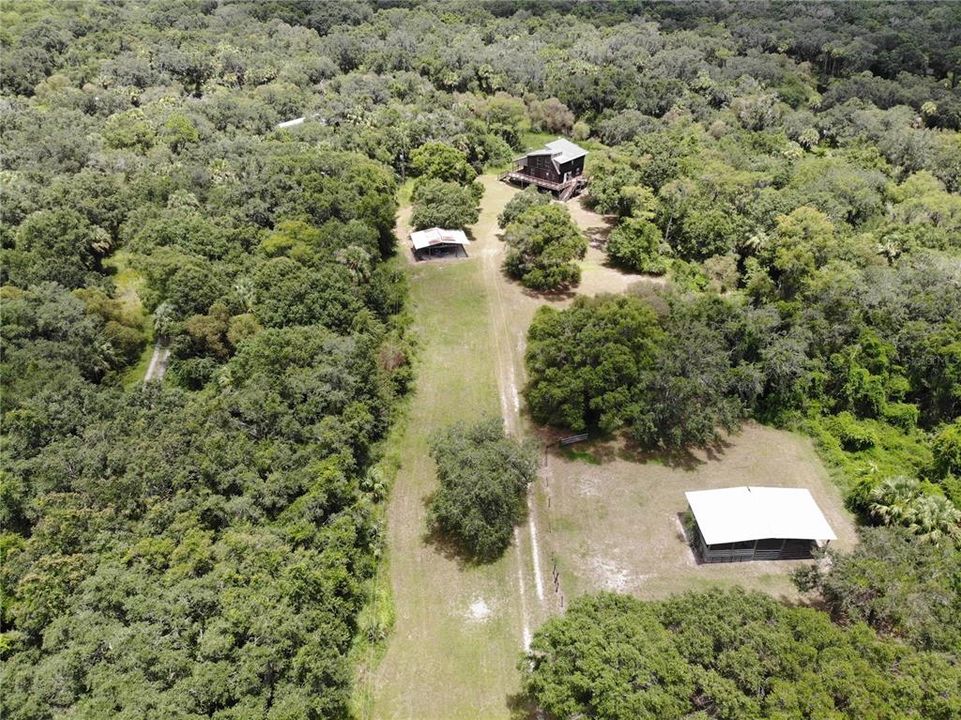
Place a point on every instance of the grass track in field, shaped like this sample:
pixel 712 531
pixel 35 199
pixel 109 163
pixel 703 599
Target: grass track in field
pixel 442 660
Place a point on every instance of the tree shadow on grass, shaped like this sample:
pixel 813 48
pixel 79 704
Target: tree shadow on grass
pixel 551 296
pixel 603 451
pixel 521 708
pixel 603 448
pixel 675 458
pixel 450 549
pixel 597 236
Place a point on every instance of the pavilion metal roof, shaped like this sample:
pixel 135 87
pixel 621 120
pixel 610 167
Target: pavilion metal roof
pixel 739 514
pixel 437 236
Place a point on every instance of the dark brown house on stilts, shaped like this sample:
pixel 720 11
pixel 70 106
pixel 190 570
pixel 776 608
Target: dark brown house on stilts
pixel 557 167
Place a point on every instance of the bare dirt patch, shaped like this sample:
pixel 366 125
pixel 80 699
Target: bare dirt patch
pixel 479 611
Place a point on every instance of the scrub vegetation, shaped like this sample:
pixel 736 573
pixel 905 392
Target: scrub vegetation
pixel 210 544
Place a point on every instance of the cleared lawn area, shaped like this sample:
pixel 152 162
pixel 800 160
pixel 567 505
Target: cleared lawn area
pixel 606 518
pixel 597 276
pixel 614 516
pixel 457 635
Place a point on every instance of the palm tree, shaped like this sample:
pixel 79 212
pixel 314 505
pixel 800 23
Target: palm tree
pixel 163 320
pixel 934 518
pixel 893 500
pixel 356 260
pixel 246 293
pixel 891 247
pixel 757 242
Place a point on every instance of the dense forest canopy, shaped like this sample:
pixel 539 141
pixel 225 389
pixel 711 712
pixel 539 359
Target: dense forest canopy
pixel 728 655
pixel 200 547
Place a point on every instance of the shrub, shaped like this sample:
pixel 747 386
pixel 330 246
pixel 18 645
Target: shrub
pixel 902 415
pixel 614 657
pixel 895 584
pixel 581 130
pixel 483 478
pixel 520 203
pixel 851 433
pixel 444 204
pixel 440 161
pixel 946 448
pixel 635 244
pixel 544 245
pixel 550 115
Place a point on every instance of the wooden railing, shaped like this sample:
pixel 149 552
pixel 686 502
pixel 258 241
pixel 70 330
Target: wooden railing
pixel 540 182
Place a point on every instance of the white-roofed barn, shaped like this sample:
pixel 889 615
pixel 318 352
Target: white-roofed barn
pixel 756 523
pixel 438 241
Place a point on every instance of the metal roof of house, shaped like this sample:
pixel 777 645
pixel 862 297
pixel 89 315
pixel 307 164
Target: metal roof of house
pixel 560 150
pixel 437 236
pixel 740 514
pixel 563 151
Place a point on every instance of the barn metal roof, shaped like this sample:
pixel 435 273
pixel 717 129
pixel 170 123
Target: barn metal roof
pixel 564 150
pixel 560 150
pixel 739 514
pixel 437 236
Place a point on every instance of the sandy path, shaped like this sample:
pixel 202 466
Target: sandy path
pixel 508 327
pixel 158 363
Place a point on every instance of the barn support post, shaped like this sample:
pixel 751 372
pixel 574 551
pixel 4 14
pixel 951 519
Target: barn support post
pixel 754 551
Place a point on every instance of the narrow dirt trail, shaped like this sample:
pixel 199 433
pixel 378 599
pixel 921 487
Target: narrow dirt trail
pixel 158 363
pixel 510 315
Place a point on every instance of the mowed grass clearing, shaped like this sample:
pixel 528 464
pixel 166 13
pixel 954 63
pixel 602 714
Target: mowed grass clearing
pixel 614 514
pixel 608 518
pixel 456 639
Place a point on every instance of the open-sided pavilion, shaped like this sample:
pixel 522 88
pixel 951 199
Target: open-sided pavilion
pixel 438 242
pixel 756 523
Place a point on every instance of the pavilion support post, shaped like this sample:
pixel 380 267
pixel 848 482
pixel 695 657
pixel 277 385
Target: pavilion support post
pixel 754 551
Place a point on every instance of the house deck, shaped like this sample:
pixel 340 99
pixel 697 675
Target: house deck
pixel 564 189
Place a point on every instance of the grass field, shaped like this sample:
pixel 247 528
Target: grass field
pixel 615 525
pixel 456 638
pixel 606 519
